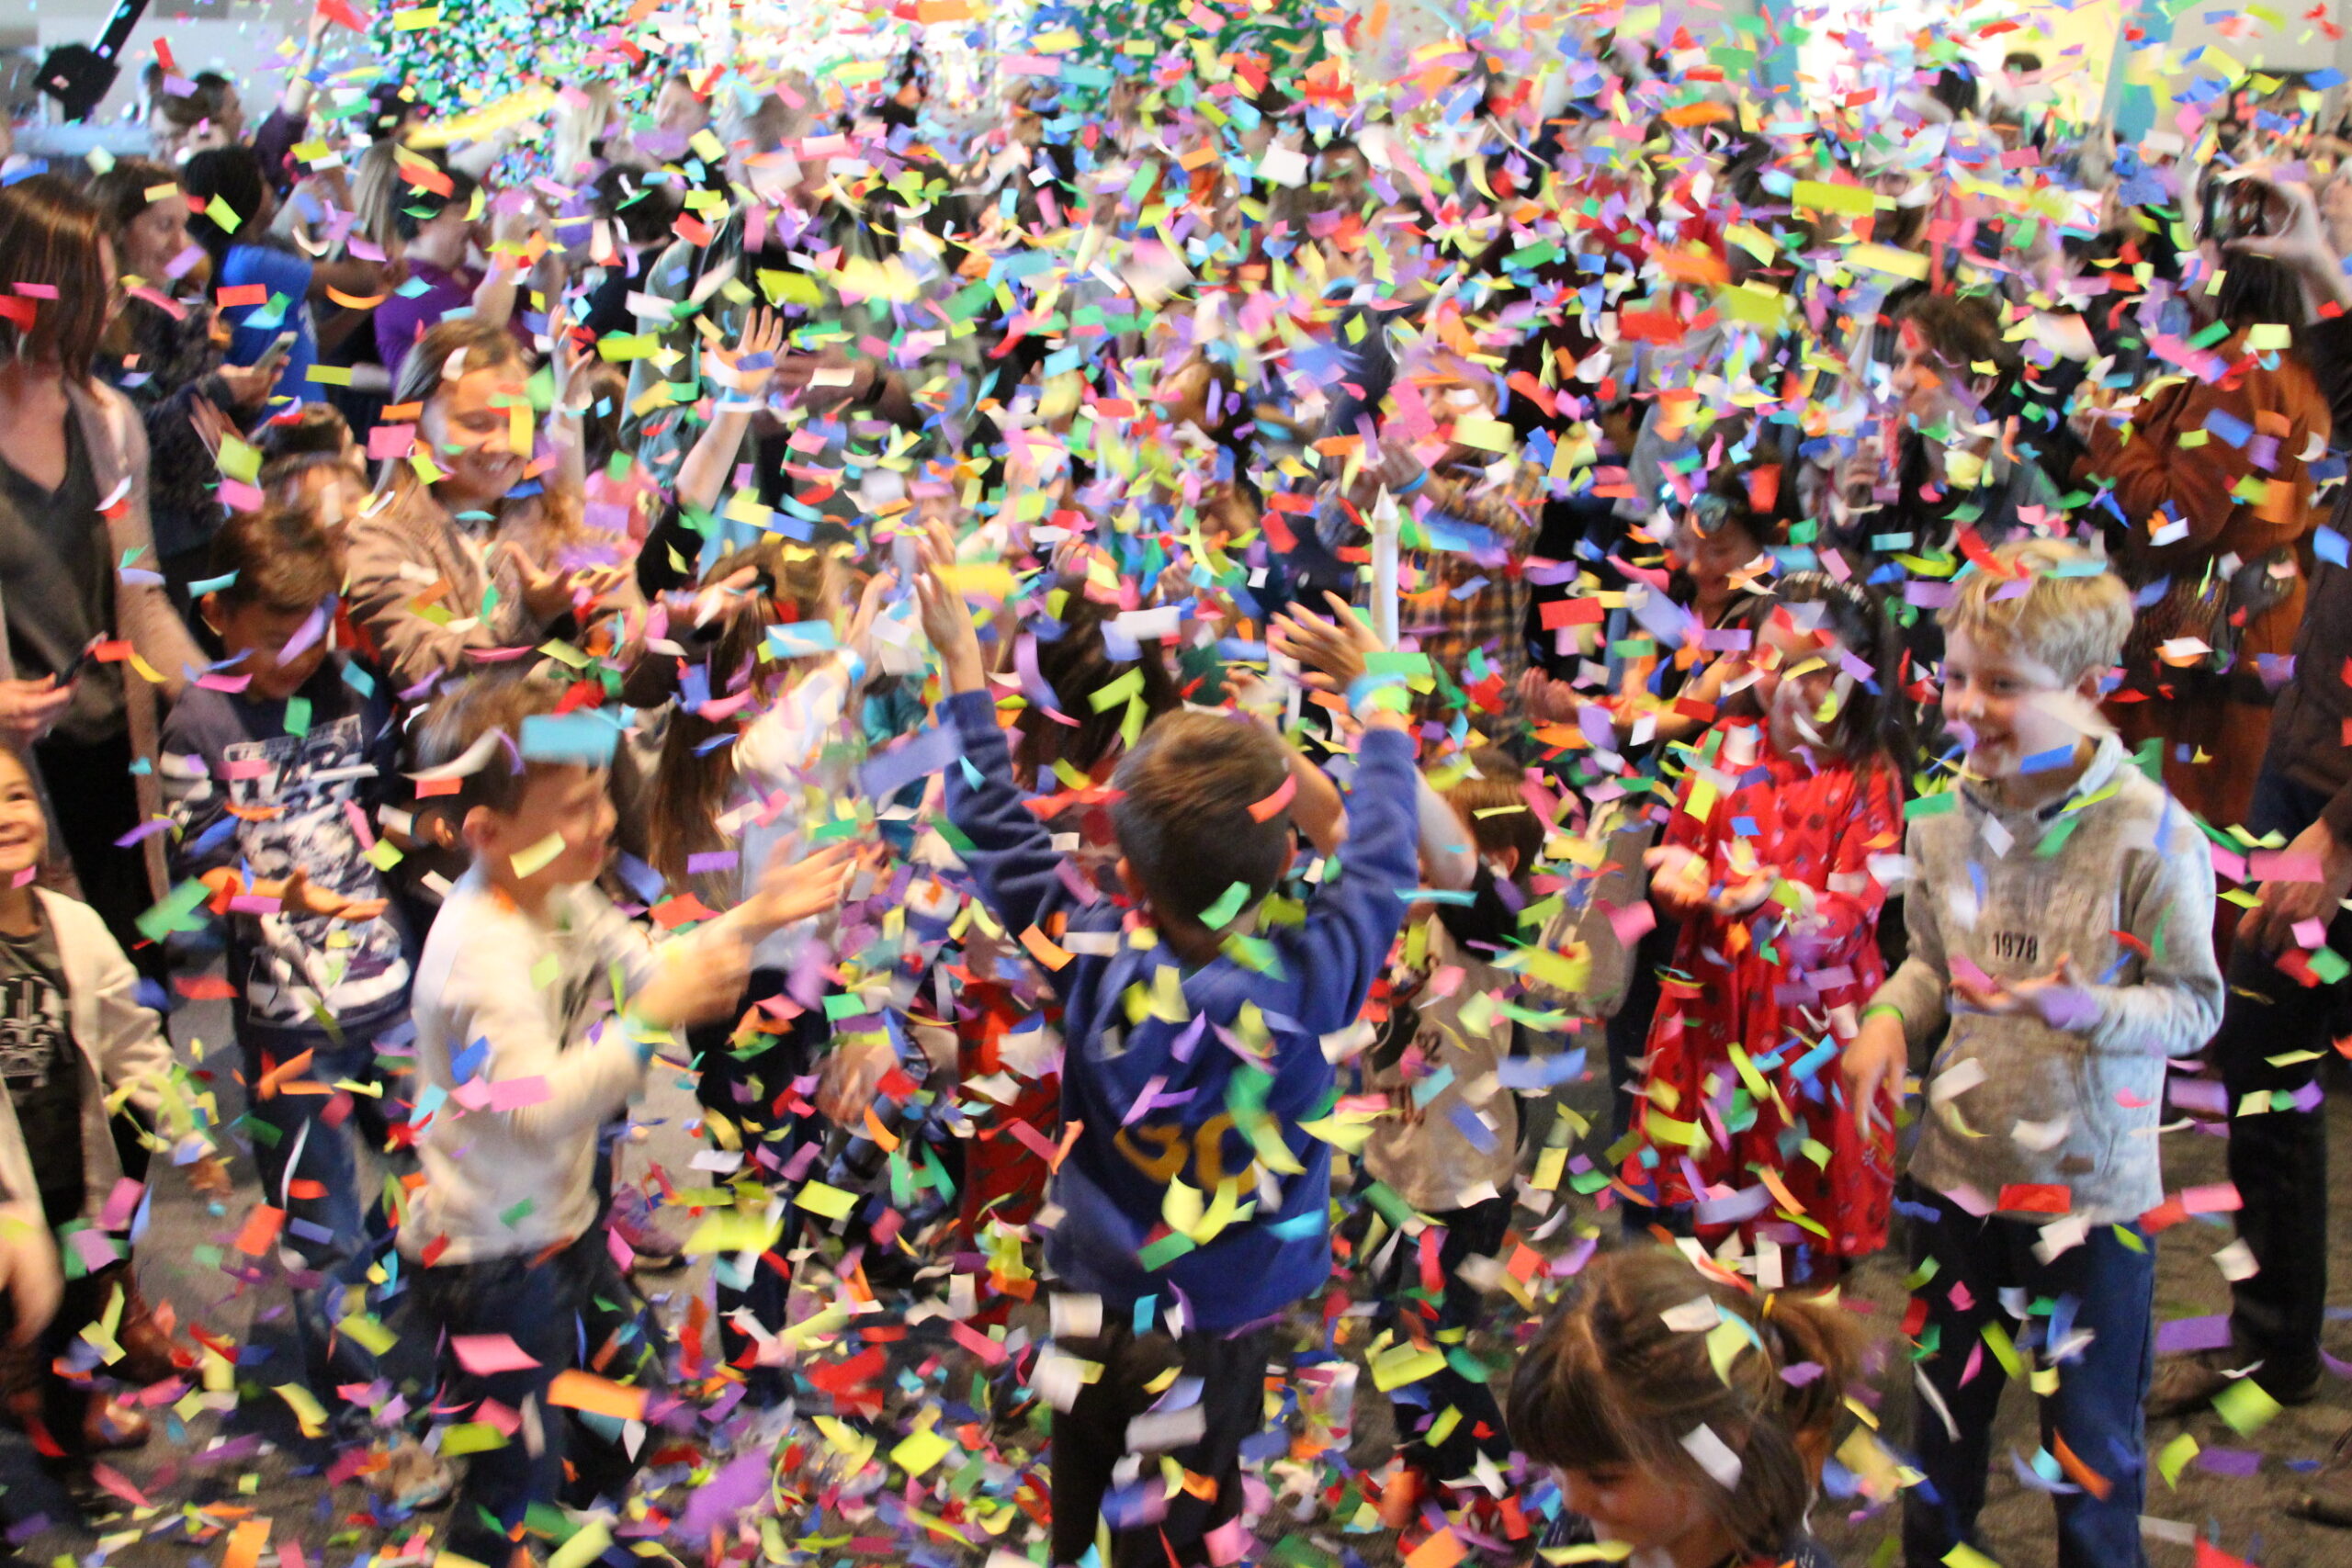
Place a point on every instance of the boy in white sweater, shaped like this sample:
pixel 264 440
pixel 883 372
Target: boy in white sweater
pixel 518 1068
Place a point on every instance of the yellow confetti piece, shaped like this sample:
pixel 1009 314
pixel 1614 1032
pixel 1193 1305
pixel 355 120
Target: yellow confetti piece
pixel 584 1548
pixel 1889 259
pixel 536 858
pixel 831 1201
pixel 2174 1458
pixel 1402 1364
pixel 919 1450
pixel 306 1407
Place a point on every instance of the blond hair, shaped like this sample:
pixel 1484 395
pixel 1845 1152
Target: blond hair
pixel 2071 615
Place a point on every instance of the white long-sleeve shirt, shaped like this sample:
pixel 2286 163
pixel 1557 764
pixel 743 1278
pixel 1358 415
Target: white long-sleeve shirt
pixel 520 1061
pixel 778 756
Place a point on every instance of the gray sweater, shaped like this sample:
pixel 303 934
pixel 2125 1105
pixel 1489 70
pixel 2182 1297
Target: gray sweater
pixel 2011 1100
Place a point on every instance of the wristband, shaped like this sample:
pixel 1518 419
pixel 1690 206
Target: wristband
pixel 1418 481
pixel 1890 1010
pixel 857 665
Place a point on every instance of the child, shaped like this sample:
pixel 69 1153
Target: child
pixel 1668 1436
pixel 2061 923
pixel 1189 1196
pixel 1450 1149
pixel 310 461
pixel 747 745
pixel 274 790
pixel 519 1069
pixel 1768 863
pixel 72 1034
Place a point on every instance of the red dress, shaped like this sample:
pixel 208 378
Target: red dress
pixel 1777 992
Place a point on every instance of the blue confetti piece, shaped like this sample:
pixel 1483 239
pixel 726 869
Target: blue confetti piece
pixel 587 737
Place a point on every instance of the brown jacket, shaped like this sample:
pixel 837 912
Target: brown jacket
pixel 416 578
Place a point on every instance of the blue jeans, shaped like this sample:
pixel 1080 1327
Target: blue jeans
pixel 2096 1409
pixel 2279 1159
pixel 562 1309
pixel 337 1231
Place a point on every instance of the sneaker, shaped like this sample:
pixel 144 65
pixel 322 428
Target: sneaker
pixel 408 1477
pixel 2185 1384
pixel 656 1235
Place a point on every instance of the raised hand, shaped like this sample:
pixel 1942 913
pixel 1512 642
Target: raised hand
pixel 1334 652
pixel 547 595
pixel 759 342
pixel 945 620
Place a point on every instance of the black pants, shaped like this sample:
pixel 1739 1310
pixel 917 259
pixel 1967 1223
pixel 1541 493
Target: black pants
pixel 742 1091
pixel 2279 1158
pixel 27 1374
pixel 90 789
pixel 1474 1232
pixel 1092 1438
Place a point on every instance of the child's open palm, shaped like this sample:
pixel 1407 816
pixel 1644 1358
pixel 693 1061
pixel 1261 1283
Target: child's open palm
pixel 752 364
pixel 1336 652
pixel 2058 999
pixel 794 890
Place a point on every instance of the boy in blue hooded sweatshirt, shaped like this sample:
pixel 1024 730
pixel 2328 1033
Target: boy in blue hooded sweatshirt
pixel 1193 1204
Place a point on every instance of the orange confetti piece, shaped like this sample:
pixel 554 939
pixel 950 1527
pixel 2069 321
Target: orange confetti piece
pixel 576 1390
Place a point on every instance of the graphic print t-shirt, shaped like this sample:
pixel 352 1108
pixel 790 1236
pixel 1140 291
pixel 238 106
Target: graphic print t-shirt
pixel 37 1060
pixel 247 790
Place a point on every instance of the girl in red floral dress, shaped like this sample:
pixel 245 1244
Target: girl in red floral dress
pixel 1770 861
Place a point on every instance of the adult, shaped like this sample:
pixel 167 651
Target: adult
pixel 439 223
pixel 164 351
pixel 77 555
pixel 2278 1023
pixel 2219 538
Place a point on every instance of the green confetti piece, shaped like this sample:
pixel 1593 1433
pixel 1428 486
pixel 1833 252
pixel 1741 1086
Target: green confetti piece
pixel 2245 1407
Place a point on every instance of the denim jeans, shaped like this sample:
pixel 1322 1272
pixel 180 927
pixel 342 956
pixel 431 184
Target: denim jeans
pixel 2279 1158
pixel 2110 1289
pixel 563 1310
pixel 301 1139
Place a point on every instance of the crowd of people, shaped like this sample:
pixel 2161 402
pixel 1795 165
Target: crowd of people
pixel 1131 697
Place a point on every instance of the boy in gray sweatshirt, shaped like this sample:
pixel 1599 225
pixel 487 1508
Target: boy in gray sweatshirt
pixel 2060 922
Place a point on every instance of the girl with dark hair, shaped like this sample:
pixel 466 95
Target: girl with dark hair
pixel 749 738
pixel 164 351
pixel 68 445
pixel 234 203
pixel 2218 538
pixel 1768 863
pixel 1663 1443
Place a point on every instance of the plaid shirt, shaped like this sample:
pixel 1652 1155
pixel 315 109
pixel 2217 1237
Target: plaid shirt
pixel 1452 602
